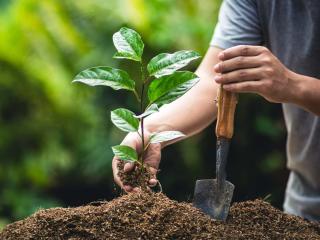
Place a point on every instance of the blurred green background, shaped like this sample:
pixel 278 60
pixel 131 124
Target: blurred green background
pixel 55 136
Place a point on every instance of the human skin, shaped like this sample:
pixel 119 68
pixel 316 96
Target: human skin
pixel 242 69
pixel 183 115
pixel 255 69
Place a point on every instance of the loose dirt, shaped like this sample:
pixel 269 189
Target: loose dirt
pixel 139 177
pixel 154 216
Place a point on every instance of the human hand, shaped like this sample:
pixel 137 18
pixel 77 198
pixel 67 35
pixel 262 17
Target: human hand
pixel 254 69
pixel 152 157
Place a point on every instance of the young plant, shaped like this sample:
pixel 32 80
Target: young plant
pixel 160 82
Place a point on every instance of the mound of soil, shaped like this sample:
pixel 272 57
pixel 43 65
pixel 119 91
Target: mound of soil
pixel 154 216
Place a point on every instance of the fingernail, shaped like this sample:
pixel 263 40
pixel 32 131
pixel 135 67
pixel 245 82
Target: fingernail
pixel 217 67
pixel 221 56
pixel 218 78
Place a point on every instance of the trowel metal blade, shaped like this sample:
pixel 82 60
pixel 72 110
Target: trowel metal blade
pixel 211 200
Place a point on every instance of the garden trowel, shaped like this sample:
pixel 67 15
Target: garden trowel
pixel 213 196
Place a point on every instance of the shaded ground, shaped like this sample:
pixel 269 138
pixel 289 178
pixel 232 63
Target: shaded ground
pixel 154 216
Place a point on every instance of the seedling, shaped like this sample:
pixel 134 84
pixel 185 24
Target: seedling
pixel 160 82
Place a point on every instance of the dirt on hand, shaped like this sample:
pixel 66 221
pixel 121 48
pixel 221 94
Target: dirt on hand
pixel 149 215
pixel 139 177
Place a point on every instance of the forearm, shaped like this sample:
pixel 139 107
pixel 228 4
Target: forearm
pixel 189 114
pixel 196 109
pixel 305 92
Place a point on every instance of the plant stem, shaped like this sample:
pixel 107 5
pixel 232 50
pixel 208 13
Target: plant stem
pixel 146 147
pixel 142 139
pixel 142 98
pixel 137 96
pixel 142 110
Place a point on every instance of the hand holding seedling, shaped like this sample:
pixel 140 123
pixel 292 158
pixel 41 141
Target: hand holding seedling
pixel 152 157
pixel 160 83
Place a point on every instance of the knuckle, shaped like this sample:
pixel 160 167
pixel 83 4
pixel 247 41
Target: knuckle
pixel 243 74
pixel 266 60
pixel 244 50
pixel 269 71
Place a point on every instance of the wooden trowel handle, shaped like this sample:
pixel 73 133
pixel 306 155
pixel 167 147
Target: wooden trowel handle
pixel 227 102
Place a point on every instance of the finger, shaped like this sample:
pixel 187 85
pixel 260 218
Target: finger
pixel 245 87
pixel 127 188
pixel 128 167
pixel 136 189
pixel 153 182
pixel 153 155
pixel 241 50
pixel 128 142
pixel 116 171
pixel 131 141
pixel 116 178
pixel 239 76
pixel 237 63
pixel 153 170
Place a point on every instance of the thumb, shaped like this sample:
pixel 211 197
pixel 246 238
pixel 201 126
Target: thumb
pixel 129 166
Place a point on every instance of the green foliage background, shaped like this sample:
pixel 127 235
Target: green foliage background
pixel 55 136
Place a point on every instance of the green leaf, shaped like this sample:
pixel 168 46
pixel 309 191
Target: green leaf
pixel 166 89
pixel 124 120
pixel 165 136
pixel 106 76
pixel 150 110
pixel 165 63
pixel 128 43
pixel 125 153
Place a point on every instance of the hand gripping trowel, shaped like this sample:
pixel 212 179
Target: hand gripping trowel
pixel 213 196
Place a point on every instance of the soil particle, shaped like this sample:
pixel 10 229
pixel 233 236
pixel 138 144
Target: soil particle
pixel 139 177
pixel 149 215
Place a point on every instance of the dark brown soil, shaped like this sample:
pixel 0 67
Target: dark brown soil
pixel 139 177
pixel 154 216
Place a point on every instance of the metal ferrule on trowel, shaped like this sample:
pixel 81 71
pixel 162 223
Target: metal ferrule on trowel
pixel 213 196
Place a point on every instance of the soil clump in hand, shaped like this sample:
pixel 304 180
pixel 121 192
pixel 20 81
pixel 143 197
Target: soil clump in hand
pixel 148 215
pixel 139 177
